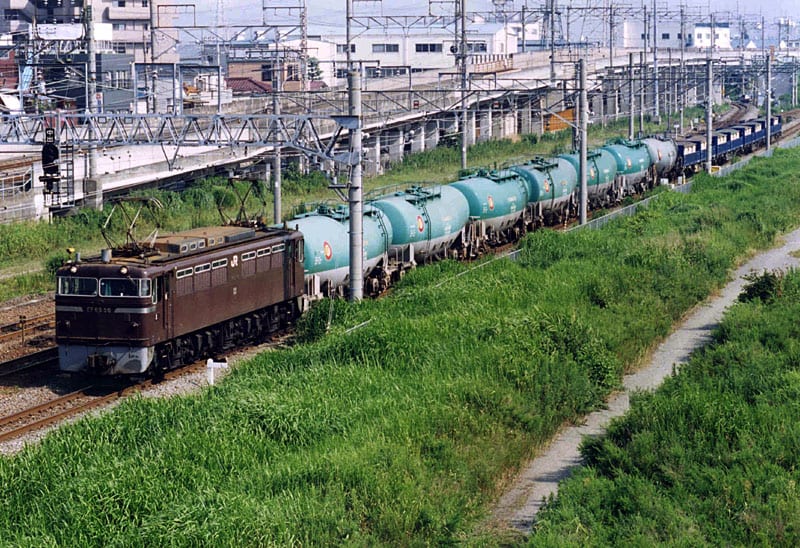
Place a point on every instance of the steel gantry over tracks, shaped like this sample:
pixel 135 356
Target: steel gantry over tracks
pixel 316 136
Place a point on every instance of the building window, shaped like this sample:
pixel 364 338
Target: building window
pixel 118 48
pixel 120 3
pixel 341 73
pixel 642 36
pixel 11 15
pixel 266 73
pixel 429 48
pixel 665 36
pixel 476 47
pixel 144 3
pixel 385 48
pixel 342 48
pixel 680 36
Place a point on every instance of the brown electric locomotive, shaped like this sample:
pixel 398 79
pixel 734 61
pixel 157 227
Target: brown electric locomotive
pixel 183 297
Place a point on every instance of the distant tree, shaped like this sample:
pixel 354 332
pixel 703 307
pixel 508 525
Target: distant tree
pixel 314 72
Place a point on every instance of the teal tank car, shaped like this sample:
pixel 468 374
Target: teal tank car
pixel 600 176
pixel 424 221
pixel 663 154
pixel 326 236
pixel 633 163
pixel 551 187
pixel 495 197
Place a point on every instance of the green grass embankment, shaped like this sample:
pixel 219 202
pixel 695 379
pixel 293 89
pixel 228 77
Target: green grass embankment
pixel 402 431
pixel 712 457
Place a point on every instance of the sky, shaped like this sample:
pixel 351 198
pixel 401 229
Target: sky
pixel 331 12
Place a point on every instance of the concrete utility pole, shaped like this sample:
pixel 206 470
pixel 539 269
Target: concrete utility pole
pixel 276 157
pixel 153 56
pixel 355 194
pixel 657 113
pixel 709 113
pixel 631 99
pixel 355 197
pixel 462 54
pixel 91 183
pixel 584 137
pixel 611 36
pixel 643 82
pixel 768 128
pixel 681 75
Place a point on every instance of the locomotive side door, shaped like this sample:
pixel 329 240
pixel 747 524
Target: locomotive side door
pixel 166 299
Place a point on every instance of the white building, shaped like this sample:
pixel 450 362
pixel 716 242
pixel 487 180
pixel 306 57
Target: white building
pixel 701 36
pixel 396 52
pixel 669 34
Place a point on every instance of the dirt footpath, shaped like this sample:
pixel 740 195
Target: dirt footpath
pixel 518 507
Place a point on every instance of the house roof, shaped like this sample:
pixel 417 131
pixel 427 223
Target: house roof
pixel 248 85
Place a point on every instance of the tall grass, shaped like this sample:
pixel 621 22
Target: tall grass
pixel 404 430
pixel 712 457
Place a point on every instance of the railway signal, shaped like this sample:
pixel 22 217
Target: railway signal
pixel 50 166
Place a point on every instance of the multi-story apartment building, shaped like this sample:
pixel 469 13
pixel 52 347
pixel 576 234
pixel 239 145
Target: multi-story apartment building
pixel 124 34
pixel 130 21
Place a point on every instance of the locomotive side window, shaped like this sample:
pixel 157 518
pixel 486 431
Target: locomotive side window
pixel 219 274
pixel 202 277
pixel 277 262
pixel 248 265
pixel 262 263
pixel 85 287
pixel 184 285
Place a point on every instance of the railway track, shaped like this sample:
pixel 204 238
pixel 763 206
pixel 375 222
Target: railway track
pixel 87 398
pixel 27 326
pixel 44 359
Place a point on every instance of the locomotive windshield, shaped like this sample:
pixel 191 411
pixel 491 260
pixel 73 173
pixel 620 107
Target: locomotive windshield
pixel 108 287
pixel 124 287
pixel 86 287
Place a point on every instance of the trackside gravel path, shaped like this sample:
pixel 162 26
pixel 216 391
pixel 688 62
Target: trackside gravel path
pixel 518 507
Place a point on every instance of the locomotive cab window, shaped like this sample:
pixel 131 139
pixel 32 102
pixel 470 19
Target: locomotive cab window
pixel 85 287
pixel 125 287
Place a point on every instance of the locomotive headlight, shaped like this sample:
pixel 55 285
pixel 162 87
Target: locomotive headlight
pixel 73 269
pixel 123 270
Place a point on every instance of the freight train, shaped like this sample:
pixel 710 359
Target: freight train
pixel 186 296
